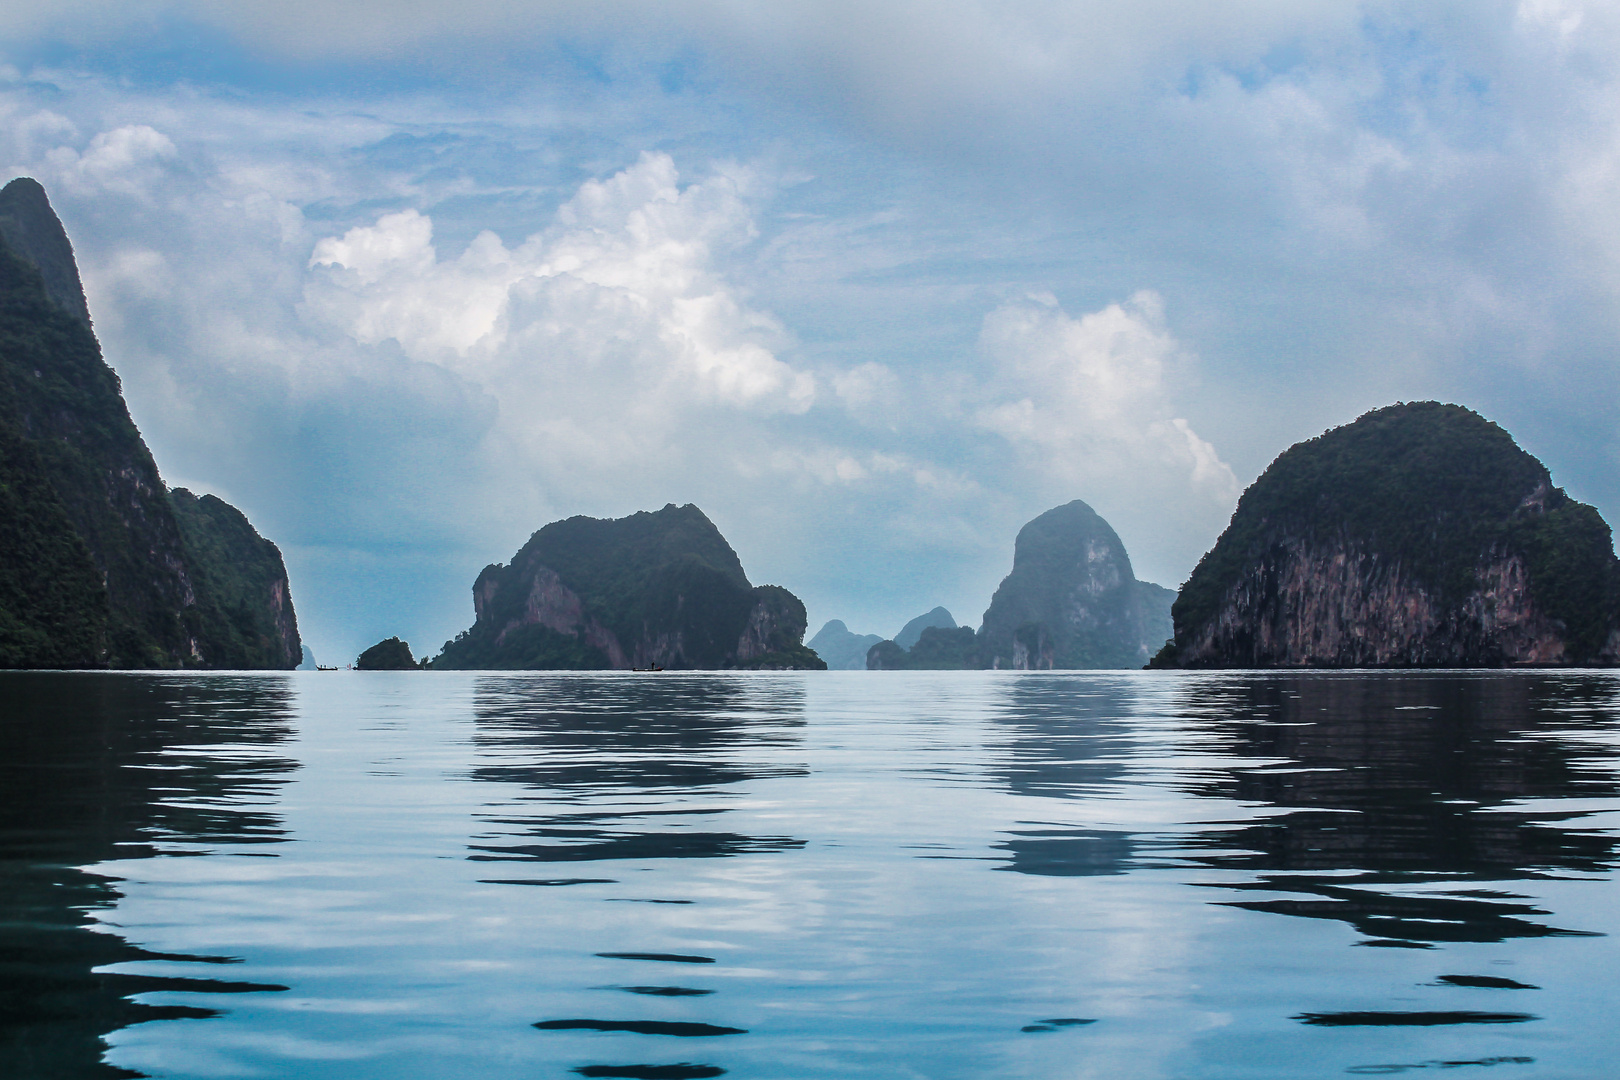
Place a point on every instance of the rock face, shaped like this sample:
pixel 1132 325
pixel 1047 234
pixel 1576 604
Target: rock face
pixel 1420 535
pixel 95 569
pixel 659 589
pixel 244 610
pixel 1072 600
pixel 841 649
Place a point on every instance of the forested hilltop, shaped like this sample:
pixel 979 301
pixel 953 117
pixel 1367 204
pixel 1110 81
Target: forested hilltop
pixel 100 564
pixel 655 589
pixel 1419 535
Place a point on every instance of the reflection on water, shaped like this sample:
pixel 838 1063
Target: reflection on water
pixel 1216 876
pixel 1061 741
pixel 96 768
pixel 621 749
pixel 658 763
pixel 1408 779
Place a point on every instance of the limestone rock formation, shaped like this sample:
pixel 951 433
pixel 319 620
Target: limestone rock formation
pixel 95 568
pixel 244 611
pixel 660 589
pixel 1420 535
pixel 390 654
pixel 1072 599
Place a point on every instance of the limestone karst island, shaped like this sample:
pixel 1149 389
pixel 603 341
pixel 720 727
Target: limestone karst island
pixel 1420 535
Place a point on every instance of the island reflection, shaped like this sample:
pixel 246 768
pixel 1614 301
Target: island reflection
pixel 601 760
pixel 1064 739
pixel 112 767
pixel 1390 781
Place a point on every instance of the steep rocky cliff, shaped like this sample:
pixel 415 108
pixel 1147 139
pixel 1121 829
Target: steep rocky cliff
pixel 1072 599
pixel 82 486
pixel 1419 535
pixel 244 616
pixel 659 589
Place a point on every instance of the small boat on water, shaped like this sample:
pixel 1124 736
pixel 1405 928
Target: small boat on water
pixel 320 667
pixel 655 667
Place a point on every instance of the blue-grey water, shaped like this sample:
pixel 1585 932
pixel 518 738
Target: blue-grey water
pixel 676 876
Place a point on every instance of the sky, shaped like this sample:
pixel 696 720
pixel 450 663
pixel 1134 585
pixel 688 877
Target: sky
pixel 873 284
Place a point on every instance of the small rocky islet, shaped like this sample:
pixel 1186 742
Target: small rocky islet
pixel 655 590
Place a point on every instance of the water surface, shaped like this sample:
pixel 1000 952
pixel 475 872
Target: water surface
pixel 808 874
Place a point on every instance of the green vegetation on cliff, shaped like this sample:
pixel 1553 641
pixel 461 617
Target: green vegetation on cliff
pixel 53 607
pixel 58 395
pixel 1436 490
pixel 522 648
pixel 242 613
pixel 655 588
pixel 74 463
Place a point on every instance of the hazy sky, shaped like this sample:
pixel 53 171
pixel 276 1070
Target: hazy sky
pixel 871 283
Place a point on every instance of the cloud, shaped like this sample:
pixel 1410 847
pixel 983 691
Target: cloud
pixel 1087 406
pixel 1087 399
pixel 125 160
pixel 617 299
pixel 424 274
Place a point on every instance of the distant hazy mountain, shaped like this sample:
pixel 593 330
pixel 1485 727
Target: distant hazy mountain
pixel 657 589
pixel 938 648
pixel 1420 535
pixel 841 649
pixel 908 635
pixel 100 564
pixel 1072 600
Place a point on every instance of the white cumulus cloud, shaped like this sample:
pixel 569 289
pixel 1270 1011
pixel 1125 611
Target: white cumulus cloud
pixel 618 297
pixel 1088 404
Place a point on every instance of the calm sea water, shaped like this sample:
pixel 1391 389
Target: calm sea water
pixel 835 874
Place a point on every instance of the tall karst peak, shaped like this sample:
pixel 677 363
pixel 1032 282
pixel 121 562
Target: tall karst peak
pixel 138 577
pixel 32 230
pixel 1072 599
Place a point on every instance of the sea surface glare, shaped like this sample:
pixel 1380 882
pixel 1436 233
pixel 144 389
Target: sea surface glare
pixel 844 874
